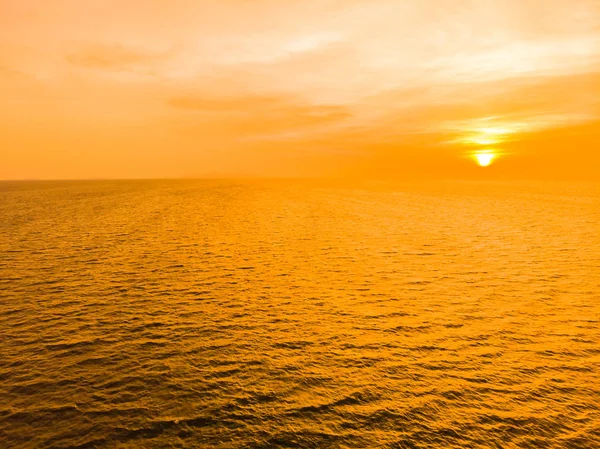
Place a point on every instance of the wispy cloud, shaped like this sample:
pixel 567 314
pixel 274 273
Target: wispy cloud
pixel 115 57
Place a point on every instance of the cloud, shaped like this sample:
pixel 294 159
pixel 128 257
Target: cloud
pixel 11 73
pixel 255 117
pixel 115 57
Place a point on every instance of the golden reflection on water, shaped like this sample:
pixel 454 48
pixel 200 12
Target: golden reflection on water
pixel 299 314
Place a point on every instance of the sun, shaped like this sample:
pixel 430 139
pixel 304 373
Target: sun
pixel 484 158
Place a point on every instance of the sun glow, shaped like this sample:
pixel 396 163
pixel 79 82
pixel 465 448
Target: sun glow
pixel 484 158
pixel 489 135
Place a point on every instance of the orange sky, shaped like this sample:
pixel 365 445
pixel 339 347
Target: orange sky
pixel 374 88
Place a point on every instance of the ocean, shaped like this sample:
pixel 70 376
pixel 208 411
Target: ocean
pixel 299 313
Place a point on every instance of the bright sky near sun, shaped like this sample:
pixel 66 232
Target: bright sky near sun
pixel 157 88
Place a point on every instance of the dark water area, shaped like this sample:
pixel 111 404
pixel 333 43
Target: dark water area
pixel 266 314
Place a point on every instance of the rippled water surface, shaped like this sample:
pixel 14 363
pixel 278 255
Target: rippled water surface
pixel 259 314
